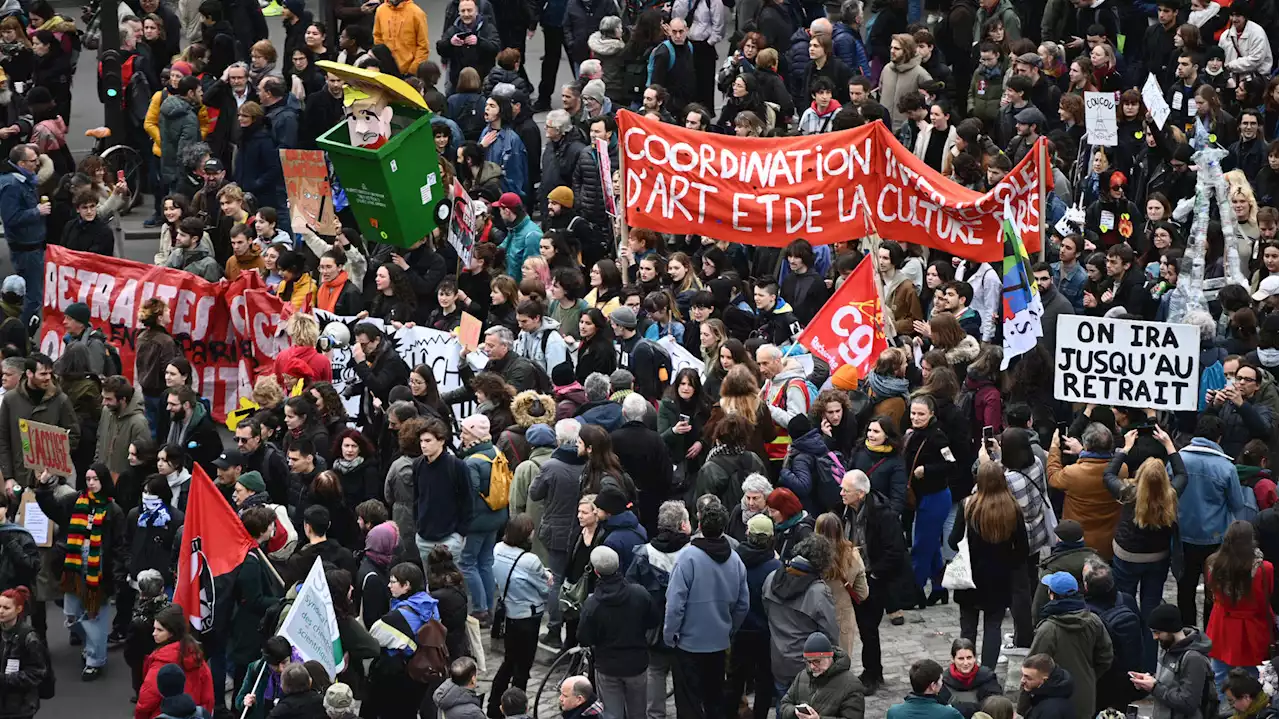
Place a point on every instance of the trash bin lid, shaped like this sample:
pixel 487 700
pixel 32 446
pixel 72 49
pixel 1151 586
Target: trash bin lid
pixel 401 93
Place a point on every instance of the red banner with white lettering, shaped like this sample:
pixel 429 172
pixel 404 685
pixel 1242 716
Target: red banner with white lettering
pixel 227 330
pixel 824 188
pixel 849 329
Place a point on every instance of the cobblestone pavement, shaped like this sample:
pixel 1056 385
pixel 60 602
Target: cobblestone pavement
pixel 926 633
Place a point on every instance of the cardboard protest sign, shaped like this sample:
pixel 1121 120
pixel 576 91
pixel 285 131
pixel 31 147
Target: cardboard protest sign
pixel 1100 118
pixel 34 520
pixel 469 331
pixel 1127 363
pixel 826 188
pixel 462 224
pixel 1153 98
pixel 306 180
pixel 46 447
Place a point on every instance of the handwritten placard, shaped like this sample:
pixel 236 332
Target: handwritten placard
pixel 46 447
pixel 1100 118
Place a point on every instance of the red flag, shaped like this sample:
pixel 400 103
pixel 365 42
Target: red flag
pixel 849 329
pixel 214 543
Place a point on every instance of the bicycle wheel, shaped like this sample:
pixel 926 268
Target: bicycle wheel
pixel 570 663
pixel 122 158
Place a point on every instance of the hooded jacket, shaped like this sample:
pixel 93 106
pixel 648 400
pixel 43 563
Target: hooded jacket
pixel 1079 643
pixel 179 128
pixel 833 693
pixel 544 346
pixel 798 603
pixel 1050 700
pixel 458 702
pixel 707 597
pixel 615 623
pixel 899 80
pixel 622 534
pixel 1181 673
pixel 807 465
pixel 608 51
pixel 402 27
pixel 199 684
pixel 118 430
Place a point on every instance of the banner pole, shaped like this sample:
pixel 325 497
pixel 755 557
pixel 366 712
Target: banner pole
pixel 271 567
pixel 254 692
pixel 622 199
pixel 1042 161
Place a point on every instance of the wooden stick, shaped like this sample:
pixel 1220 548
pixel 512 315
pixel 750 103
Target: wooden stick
pixel 271 567
pixel 254 692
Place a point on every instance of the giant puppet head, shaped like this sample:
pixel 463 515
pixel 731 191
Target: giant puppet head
pixel 368 116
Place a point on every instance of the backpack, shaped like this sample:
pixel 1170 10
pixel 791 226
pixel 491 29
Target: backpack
pixel 500 478
pixel 671 54
pixel 112 365
pixel 651 386
pixel 430 660
pixel 826 482
pixel 1209 693
pixel 470 120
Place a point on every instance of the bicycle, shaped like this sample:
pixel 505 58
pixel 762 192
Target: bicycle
pixel 570 663
pixel 120 158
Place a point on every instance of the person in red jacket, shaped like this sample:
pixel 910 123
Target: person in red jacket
pixel 174 645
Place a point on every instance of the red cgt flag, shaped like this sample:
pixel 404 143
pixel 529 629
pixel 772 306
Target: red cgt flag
pixel 849 329
pixel 214 543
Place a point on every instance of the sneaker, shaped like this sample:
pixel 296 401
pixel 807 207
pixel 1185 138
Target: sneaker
pixel 153 221
pixel 91 674
pixel 116 638
pixel 552 639
pixel 272 9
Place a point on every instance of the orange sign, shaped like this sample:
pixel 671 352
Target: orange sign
pixel 306 180
pixel 823 188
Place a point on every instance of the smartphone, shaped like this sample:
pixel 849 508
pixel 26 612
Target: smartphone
pixel 805 708
pixel 1131 712
pixel 1062 429
pixel 1147 429
pixel 988 433
pixel 684 418
pixel 119 175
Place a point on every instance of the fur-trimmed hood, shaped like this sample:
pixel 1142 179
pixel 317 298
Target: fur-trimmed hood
pixel 523 409
pixel 602 46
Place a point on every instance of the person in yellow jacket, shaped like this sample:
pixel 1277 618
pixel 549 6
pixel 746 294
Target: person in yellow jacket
pixel 296 284
pixel 402 27
pixel 151 124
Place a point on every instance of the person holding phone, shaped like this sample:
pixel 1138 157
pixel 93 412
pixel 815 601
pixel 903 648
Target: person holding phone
pixel 827 687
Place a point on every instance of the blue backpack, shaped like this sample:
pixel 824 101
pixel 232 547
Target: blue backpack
pixel 671 57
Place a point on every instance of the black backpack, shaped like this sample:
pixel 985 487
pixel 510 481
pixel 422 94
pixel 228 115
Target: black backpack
pixel 112 365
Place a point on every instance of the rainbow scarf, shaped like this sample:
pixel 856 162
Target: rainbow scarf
pixel 81 570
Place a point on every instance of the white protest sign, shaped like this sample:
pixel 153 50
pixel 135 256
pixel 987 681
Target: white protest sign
pixel 681 358
pixel 312 626
pixel 1100 118
pixel 416 346
pixel 1153 98
pixel 1127 363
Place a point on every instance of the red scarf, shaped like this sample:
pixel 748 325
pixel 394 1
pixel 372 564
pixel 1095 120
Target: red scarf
pixel 965 679
pixel 327 294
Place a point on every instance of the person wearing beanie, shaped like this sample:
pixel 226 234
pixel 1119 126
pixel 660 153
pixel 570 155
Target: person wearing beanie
pixel 808 469
pixel 1184 674
pixel 1068 555
pixel 751 642
pixel 339 702
pixel 542 443
pixel 76 320
pixel 791 523
pixel 707 601
pixel 798 603
pixel 827 684
pixel 623 532
pixel 175 703
pixel 594 99
pixel 481 532
pixel 615 623
pixel 562 196
pixel 1074 636
pixel 568 392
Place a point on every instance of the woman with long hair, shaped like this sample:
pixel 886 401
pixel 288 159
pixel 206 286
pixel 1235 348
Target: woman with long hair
pixel 740 395
pixel 522 583
pixel 728 465
pixel 503 292
pixel 173 209
pixel 966 684
pixel 175 644
pixel 602 468
pixel 142 464
pixel 879 456
pixel 682 413
pixel 21 647
pixel 926 450
pixel 712 334
pixel 355 462
pixel 156 349
pixel 960 347
pixel 1024 474
pixel 1213 126
pixel 302 421
pixel 326 491
pixel 426 395
pixel 937 274
pixel 391 692
pixel 733 353
pixel 997 538
pixel 333 414
pixel 846 577
pixel 1241 622
pixel 1080 76
pixel 449 587
pixel 606 283
pixel 1148 522
pixel 684 281
pixel 493 399
pixel 394 300
pixel 743 96
pixel 51 69
pixel 595 351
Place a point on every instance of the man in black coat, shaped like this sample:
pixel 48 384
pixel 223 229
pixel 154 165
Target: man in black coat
pixel 263 457
pixel 191 427
pixel 322 110
pixel 672 63
pixel 644 457
pixel 1046 689
pixel 561 155
pixel 315 522
pixel 877 532
pixel 376 363
pixel 524 126
pixel 615 622
pixel 499 344
pixel 1119 614
pixel 226 95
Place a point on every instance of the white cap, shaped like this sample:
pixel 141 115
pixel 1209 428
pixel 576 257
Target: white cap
pixel 1269 287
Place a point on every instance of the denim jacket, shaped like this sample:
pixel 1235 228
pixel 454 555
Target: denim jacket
pixel 526 596
pixel 1071 286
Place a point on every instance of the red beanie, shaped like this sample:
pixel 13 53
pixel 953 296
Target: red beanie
pixel 785 501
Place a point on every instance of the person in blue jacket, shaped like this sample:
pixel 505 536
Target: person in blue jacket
pixel 523 234
pixel 391 691
pixel 22 214
pixel 258 168
pixel 503 146
pixel 622 530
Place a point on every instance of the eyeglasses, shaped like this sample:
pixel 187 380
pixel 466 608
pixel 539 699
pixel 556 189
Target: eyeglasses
pixel 243 440
pixel 1238 378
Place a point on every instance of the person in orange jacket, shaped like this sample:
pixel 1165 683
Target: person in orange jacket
pixel 402 26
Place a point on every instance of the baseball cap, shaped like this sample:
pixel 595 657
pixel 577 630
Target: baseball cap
pixel 213 164
pixel 509 200
pixel 1269 287
pixel 229 458
pixel 1061 583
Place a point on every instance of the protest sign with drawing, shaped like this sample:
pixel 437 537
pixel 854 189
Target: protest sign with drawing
pixel 306 180
pixel 462 225
pixel 46 447
pixel 1100 118
pixel 1153 98
pixel 1127 363
pixel 312 625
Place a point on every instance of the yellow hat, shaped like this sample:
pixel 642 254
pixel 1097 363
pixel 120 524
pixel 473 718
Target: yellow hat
pixel 561 196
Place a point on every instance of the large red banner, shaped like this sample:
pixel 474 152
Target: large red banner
pixel 227 330
pixel 825 188
pixel 849 329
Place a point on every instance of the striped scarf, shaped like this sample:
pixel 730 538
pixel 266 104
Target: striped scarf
pixel 82 570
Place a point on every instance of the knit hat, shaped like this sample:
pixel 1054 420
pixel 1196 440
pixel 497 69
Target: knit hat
pixel 799 426
pixel 1165 618
pixel 297 7
pixel 252 481
pixel 594 90
pixel 624 317
pixel 785 501
pixel 561 196
pixel 540 435
pixel 171 680
pixel 818 645
pixel 338 700
pixel 14 285
pixel 760 524
pixel 611 501
pixel 562 374
pixel 846 377
pixel 183 67
pixel 1061 583
pixel 477 425
pixel 1069 530
pixel 78 311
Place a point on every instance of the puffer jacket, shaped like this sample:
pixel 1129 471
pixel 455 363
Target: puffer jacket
pixel 608 51
pixel 499 75
pixel 179 128
pixel 798 604
pixel 118 430
pixel 807 465
pixel 834 693
pixel 588 190
pixel 22 646
pixel 623 534
pixel 199 684
pixel 559 159
pixel 557 487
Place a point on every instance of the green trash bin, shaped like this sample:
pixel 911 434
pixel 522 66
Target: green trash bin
pixel 394 190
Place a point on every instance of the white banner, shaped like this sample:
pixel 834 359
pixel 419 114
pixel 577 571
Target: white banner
pixel 1100 118
pixel 1127 363
pixel 312 626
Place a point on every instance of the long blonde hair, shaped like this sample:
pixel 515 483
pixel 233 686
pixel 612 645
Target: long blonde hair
pixel 1155 502
pixel 843 551
pixel 992 510
pixel 739 393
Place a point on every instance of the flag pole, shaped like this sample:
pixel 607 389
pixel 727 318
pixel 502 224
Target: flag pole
pixel 271 567
pixel 254 692
pixel 1042 160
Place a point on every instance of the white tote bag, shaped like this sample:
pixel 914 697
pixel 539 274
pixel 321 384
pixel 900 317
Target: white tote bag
pixel 959 573
pixel 476 638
